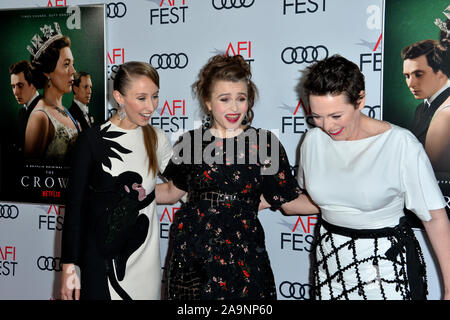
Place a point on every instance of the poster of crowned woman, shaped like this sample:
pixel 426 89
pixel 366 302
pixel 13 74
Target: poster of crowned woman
pixel 52 84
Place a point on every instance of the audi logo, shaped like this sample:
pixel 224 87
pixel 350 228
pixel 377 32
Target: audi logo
pixel 294 290
pixel 9 211
pixel 116 10
pixel 49 263
pixel 306 54
pixel 169 61
pixel 230 4
pixel 371 110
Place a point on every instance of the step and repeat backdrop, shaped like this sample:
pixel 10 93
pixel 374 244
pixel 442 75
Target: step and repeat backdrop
pixel 278 38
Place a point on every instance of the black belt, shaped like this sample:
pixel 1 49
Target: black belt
pixel 217 198
pixel 405 239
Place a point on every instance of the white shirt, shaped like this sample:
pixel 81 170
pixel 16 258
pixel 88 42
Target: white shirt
pixel 365 184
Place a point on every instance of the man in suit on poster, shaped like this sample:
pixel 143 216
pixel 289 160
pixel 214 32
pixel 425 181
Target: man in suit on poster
pixel 26 95
pixel 427 77
pixel 82 91
pixel 426 68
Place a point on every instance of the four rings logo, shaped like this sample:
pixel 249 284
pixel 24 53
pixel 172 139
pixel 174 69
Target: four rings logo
pixel 169 61
pixel 306 54
pixel 116 10
pixel 294 290
pixel 230 4
pixel 8 211
pixel 49 263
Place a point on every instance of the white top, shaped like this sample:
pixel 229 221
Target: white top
pixel 143 270
pixel 365 184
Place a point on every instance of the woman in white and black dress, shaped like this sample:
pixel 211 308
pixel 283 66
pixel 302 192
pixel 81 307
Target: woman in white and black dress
pixel 361 172
pixel 110 224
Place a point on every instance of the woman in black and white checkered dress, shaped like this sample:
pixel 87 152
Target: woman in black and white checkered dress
pixel 362 172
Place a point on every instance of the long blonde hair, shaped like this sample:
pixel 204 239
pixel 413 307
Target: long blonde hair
pixel 122 80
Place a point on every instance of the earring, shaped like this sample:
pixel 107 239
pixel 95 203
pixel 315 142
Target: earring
pixel 121 112
pixel 245 120
pixel 48 82
pixel 206 121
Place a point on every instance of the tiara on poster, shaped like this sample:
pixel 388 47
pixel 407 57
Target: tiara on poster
pixel 441 24
pixel 40 43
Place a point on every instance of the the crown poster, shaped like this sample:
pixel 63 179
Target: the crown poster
pixel 53 86
pixel 416 85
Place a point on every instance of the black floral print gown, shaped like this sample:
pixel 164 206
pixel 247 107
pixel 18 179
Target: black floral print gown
pixel 217 247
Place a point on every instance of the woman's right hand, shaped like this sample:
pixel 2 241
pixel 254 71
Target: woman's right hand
pixel 70 282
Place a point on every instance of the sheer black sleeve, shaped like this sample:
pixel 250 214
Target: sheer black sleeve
pixel 179 168
pixel 279 184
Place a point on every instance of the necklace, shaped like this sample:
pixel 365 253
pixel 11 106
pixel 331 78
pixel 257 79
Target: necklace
pixel 61 111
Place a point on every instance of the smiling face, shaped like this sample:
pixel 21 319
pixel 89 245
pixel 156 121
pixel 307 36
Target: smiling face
pixel 62 77
pixel 336 116
pixel 228 105
pixel 139 101
pixel 421 79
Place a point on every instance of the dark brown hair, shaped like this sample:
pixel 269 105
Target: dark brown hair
pixel 335 75
pixel 22 66
pixel 47 61
pixel 227 68
pixel 435 52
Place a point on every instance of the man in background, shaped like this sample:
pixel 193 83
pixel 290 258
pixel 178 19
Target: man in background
pixel 26 95
pixel 426 69
pixel 82 91
pixel 427 77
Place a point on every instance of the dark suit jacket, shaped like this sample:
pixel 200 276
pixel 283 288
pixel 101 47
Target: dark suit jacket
pixel 22 121
pixel 424 114
pixel 76 112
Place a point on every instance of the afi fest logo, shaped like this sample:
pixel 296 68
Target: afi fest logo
pixel 8 261
pixel 53 219
pixel 299 241
pixel 115 57
pixel 297 122
pixel 372 59
pixel 165 221
pixel 243 48
pixel 169 12
pixel 303 7
pixel 172 117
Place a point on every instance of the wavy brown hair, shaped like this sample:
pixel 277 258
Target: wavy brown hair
pixel 226 68
pixel 125 75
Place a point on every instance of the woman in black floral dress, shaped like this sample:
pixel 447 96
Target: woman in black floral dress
pixel 217 248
